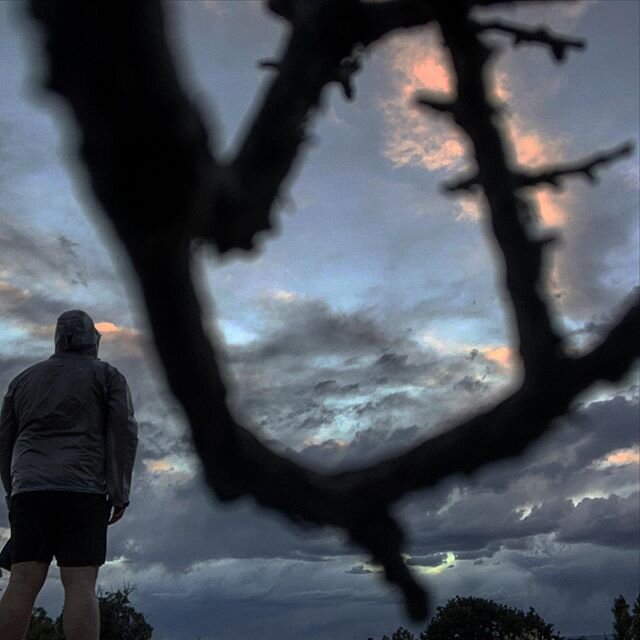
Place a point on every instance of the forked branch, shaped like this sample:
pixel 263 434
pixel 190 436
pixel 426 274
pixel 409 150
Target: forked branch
pixel 161 186
pixel 557 43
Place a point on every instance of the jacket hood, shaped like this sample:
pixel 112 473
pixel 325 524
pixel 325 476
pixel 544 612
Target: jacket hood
pixel 76 332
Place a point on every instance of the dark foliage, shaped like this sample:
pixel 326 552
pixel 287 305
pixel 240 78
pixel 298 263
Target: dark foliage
pixel 118 620
pixel 626 625
pixel 634 630
pixel 400 634
pixel 479 619
pixel 42 627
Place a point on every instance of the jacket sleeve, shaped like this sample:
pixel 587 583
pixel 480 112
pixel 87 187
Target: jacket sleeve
pixel 8 434
pixel 121 440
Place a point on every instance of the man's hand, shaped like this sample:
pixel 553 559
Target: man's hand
pixel 118 512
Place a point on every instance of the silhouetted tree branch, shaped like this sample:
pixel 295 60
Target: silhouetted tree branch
pixel 557 44
pixel 163 183
pixel 552 176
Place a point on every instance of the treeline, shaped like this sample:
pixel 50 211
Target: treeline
pixel 118 620
pixel 480 619
pixel 464 618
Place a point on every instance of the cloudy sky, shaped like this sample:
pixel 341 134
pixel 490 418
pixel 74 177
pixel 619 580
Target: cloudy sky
pixel 372 319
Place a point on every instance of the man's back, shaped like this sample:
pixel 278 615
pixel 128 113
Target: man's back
pixel 61 407
pixel 67 422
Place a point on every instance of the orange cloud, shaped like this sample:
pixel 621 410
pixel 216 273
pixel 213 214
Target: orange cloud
pixel 411 136
pixel 529 147
pixel 552 206
pixel 121 339
pixel 110 330
pixel 623 456
pixel 168 470
pixel 106 327
pixel 501 355
pixel 532 150
pixel 158 466
pixel 429 72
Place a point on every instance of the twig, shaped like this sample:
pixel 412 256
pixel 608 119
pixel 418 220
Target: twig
pixel 552 175
pixel 557 43
pixel 586 167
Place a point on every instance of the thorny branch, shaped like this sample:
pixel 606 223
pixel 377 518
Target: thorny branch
pixel 552 175
pixel 587 168
pixel 557 44
pixel 152 168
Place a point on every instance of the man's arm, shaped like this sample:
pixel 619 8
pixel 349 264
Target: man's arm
pixel 8 433
pixel 121 441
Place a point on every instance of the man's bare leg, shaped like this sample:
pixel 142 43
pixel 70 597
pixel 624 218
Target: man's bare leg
pixel 19 597
pixel 81 615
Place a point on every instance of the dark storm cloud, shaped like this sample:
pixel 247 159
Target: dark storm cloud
pixel 481 525
pixel 315 368
pixel 490 515
pixel 480 522
pixel 511 503
pixel 602 427
pixel 612 521
pixel 564 457
pixel 190 526
pixel 310 327
pixel 474 527
pixel 565 577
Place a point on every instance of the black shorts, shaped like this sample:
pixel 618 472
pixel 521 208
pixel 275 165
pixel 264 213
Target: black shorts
pixel 69 525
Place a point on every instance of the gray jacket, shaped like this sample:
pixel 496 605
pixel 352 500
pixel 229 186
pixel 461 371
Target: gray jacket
pixel 67 423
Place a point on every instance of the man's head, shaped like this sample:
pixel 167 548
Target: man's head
pixel 75 331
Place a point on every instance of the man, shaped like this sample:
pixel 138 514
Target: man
pixel 68 441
